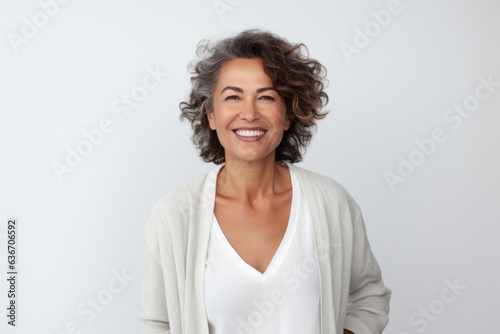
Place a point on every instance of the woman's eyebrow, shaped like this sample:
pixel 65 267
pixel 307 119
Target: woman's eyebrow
pixel 263 89
pixel 240 90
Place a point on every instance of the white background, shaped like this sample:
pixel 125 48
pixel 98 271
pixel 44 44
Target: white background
pixel 440 224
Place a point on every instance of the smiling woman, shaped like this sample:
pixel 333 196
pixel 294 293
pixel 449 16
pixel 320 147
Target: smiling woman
pixel 259 245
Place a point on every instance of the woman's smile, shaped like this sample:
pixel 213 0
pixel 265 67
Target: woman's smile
pixel 250 134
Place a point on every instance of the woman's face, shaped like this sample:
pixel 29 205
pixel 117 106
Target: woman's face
pixel 248 113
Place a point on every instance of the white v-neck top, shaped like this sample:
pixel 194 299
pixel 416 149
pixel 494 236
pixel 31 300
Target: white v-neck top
pixel 284 299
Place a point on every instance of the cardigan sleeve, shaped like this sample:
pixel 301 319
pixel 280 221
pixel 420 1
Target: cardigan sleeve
pixel 368 303
pixel 154 319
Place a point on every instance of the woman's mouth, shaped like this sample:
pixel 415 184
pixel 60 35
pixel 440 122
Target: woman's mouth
pixel 250 134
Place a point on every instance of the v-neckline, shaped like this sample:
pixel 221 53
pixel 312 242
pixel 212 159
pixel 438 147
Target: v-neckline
pixel 278 256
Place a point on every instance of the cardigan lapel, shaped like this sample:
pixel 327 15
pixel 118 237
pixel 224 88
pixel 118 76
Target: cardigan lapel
pixel 327 248
pixel 199 234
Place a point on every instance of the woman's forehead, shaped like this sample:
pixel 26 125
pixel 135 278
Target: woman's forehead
pixel 244 72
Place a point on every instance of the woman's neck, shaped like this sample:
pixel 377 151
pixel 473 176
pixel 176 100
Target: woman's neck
pixel 252 181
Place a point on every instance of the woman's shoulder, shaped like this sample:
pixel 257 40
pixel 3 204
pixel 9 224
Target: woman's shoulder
pixel 196 194
pixel 314 183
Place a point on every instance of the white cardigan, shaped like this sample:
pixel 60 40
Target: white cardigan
pixel 353 295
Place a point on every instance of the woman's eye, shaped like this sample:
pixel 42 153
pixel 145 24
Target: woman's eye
pixel 232 97
pixel 267 97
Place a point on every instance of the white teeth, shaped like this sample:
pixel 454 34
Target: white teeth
pixel 250 133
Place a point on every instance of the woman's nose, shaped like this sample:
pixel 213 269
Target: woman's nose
pixel 249 112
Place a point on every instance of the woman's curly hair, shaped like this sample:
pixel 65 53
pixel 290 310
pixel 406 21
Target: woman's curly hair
pixel 296 77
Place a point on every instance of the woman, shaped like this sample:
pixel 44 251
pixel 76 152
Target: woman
pixel 259 245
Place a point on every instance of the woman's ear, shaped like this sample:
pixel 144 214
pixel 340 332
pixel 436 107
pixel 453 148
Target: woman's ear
pixel 288 122
pixel 211 119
